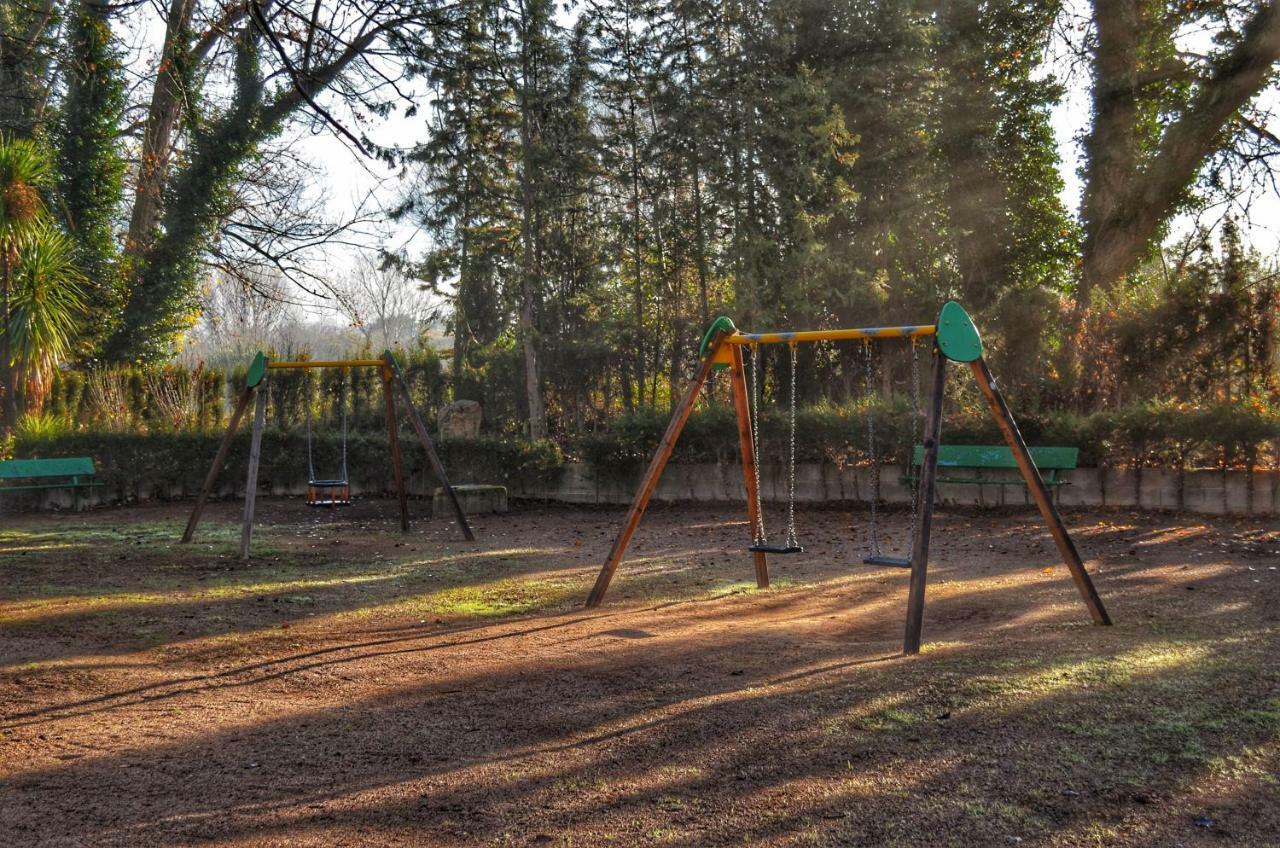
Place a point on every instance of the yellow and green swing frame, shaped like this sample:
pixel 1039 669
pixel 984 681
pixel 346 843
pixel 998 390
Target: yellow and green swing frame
pixel 255 384
pixel 952 338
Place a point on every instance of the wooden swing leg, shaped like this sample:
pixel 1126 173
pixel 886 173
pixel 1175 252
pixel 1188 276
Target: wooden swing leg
pixel 432 457
pixel 393 436
pixel 1039 492
pixel 925 493
pixel 251 482
pixel 738 380
pixel 219 459
pixel 652 474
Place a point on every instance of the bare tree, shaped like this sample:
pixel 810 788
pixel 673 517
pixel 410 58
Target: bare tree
pixel 387 307
pixel 241 315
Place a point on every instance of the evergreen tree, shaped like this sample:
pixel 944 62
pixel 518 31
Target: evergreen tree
pixel 464 194
pixel 90 165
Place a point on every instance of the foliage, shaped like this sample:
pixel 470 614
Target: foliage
pixel 40 306
pixel 41 426
pixel 173 464
pixel 91 166
pixel 46 307
pixel 1148 434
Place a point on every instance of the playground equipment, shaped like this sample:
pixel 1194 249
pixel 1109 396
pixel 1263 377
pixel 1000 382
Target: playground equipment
pixel 254 386
pixel 327 492
pixel 953 338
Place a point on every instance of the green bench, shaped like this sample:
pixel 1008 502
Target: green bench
pixel 69 472
pixel 980 458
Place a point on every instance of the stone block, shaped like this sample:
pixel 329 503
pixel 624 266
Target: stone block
pixel 460 420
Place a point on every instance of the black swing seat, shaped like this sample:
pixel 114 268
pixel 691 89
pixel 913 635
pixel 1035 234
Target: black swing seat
pixel 881 559
pixel 776 549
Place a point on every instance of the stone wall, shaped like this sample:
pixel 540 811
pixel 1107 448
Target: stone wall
pixel 1210 492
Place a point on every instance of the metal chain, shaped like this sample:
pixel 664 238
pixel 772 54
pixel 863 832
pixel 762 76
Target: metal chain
pixel 791 495
pixel 915 407
pixel 758 531
pixel 871 450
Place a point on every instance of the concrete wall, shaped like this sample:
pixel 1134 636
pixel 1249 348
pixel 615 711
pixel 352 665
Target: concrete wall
pixel 1210 492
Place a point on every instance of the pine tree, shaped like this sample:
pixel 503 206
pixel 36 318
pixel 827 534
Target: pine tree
pixel 91 167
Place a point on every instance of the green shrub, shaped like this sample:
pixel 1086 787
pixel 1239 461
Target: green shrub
pixel 42 425
pixel 1146 434
pixel 160 465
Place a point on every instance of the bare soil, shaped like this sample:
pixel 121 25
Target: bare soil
pixel 354 686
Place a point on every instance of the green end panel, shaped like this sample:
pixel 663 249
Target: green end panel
pixel 723 323
pixel 35 469
pixel 999 456
pixel 257 370
pixel 958 339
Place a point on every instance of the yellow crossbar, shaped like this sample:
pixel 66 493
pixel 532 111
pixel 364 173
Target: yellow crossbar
pixel 329 363
pixel 860 334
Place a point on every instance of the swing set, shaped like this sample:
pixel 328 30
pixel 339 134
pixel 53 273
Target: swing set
pixel 322 491
pixel 952 338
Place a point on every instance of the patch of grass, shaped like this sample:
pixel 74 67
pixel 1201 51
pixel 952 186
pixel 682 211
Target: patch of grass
pixel 511 596
pixel 1266 719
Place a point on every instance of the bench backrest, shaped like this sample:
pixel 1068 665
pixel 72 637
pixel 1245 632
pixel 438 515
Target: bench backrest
pixel 35 469
pixel 998 456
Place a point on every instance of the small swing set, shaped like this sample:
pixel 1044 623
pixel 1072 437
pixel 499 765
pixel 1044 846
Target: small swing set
pixel 322 491
pixel 952 338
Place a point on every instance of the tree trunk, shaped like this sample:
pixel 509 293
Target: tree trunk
pixel 1128 199
pixel 528 238
pixel 157 140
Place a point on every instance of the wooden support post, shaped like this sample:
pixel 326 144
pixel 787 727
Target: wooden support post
pixel 393 436
pixel 434 458
pixel 218 460
pixel 738 380
pixel 653 473
pixel 1039 492
pixel 251 482
pixel 926 487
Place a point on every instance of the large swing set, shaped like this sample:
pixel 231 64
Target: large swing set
pixel 952 338
pixel 322 491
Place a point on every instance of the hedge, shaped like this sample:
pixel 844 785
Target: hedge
pixel 161 465
pixel 1160 434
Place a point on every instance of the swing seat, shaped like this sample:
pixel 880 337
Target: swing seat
pixel 776 549
pixel 328 493
pixel 895 562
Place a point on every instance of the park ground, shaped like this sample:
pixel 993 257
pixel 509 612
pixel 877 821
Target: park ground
pixel 353 686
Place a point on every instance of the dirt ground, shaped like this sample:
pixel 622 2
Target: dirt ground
pixel 352 686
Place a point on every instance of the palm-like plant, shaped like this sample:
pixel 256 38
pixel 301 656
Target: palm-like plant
pixel 45 306
pixel 39 291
